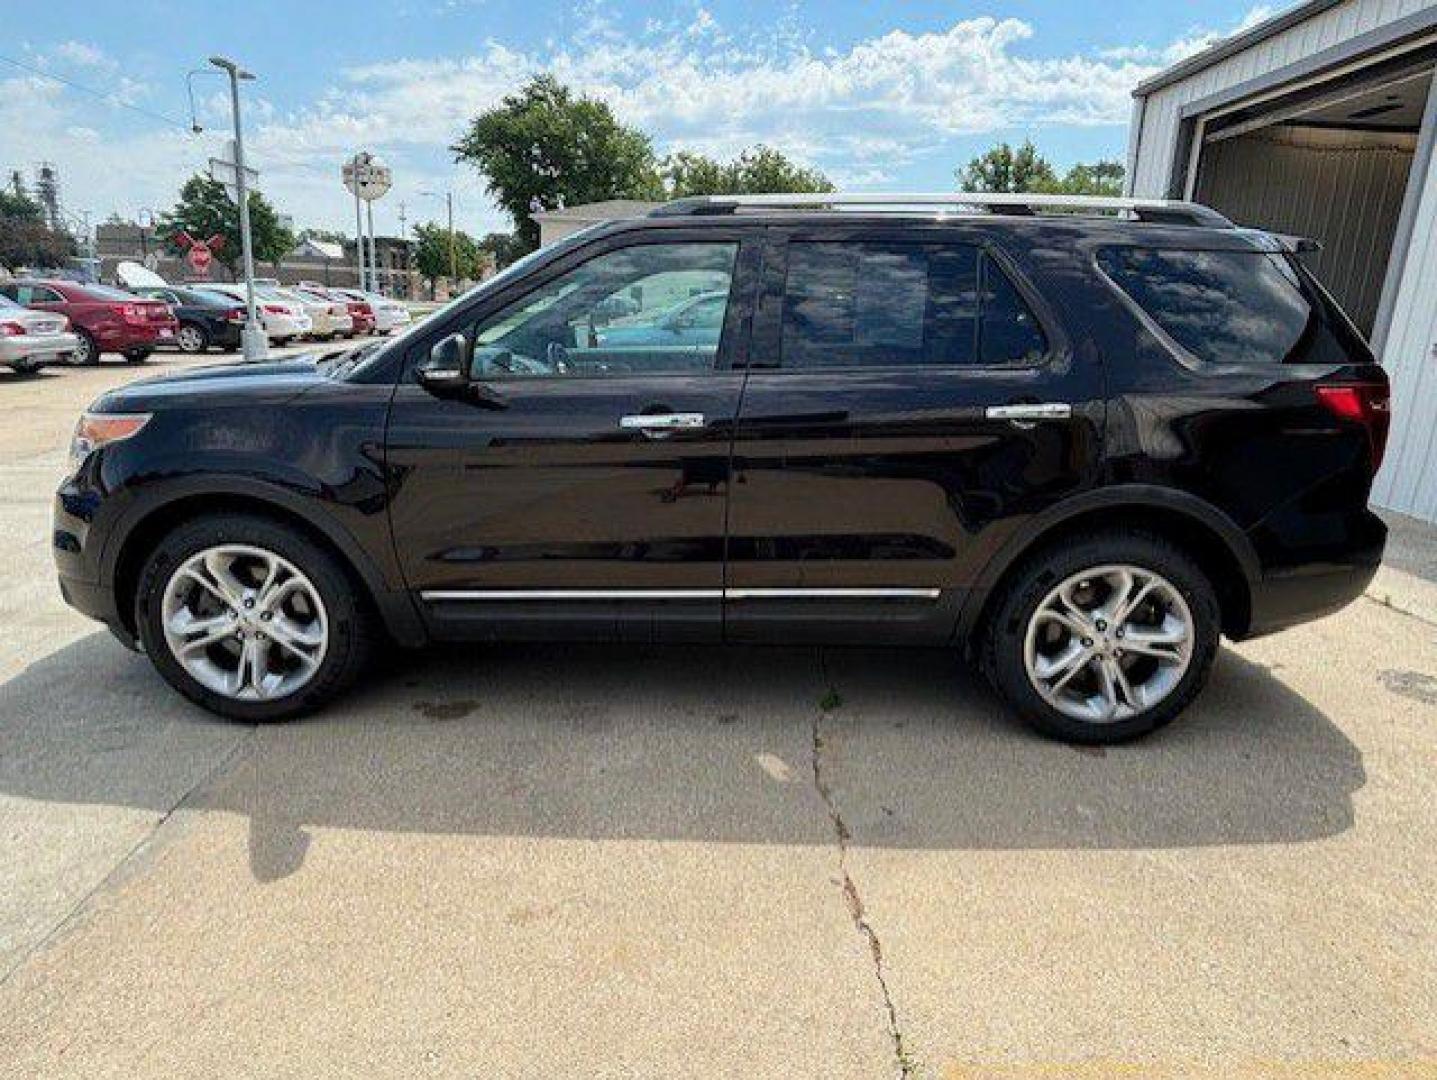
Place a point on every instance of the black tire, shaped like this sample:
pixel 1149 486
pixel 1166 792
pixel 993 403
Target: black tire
pixel 192 338
pixel 136 356
pixel 352 625
pixel 1024 590
pixel 88 352
pixel 25 367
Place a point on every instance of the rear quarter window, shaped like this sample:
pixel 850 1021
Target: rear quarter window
pixel 1236 307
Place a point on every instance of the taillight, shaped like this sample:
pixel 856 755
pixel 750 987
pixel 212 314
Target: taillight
pixel 1369 404
pixel 237 315
pixel 276 309
pixel 11 329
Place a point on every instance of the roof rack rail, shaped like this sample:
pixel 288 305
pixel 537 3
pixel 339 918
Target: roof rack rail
pixel 1158 211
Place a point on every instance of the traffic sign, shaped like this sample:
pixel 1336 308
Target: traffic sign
pixel 366 177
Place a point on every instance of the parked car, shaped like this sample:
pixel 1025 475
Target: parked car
pixel 361 314
pixel 206 319
pixel 1077 447
pixel 31 339
pixel 389 315
pixel 283 320
pixel 696 320
pixel 331 317
pixel 103 319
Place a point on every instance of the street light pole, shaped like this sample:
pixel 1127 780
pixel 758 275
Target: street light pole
pixel 453 255
pixel 358 226
pixel 253 338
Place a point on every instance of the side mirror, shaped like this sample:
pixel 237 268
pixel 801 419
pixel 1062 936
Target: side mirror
pixel 445 372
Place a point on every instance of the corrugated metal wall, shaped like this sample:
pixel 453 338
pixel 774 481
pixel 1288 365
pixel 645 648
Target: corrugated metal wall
pixel 1408 481
pixel 1352 186
pixel 1162 114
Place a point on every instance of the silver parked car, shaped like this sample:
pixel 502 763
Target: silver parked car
pixel 31 339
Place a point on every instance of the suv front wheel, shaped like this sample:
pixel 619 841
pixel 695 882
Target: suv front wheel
pixel 1104 638
pixel 250 618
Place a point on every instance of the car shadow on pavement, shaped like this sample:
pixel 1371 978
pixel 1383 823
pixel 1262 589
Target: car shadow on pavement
pixel 709 745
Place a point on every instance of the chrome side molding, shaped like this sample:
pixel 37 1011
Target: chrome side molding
pixel 433 595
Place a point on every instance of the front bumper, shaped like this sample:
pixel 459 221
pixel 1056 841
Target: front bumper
pixel 81 521
pixel 37 348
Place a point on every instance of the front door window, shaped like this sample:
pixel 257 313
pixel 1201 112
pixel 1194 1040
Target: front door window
pixel 648 309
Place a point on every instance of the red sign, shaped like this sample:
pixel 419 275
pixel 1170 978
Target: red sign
pixel 199 253
pixel 199 257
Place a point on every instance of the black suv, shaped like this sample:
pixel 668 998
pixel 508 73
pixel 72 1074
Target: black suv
pixel 1077 442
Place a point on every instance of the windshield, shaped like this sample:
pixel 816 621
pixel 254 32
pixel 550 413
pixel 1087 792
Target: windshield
pixel 7 304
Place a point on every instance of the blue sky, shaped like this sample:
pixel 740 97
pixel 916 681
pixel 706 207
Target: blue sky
pixel 882 96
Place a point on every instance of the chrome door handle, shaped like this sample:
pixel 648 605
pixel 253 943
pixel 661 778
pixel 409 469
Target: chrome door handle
pixel 1025 416
pixel 662 425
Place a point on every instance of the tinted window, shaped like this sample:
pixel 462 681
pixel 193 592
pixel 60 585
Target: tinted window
pixel 37 294
pixel 1236 307
pixel 648 308
pixel 870 305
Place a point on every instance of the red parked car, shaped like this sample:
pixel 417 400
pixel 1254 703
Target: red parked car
pixel 104 319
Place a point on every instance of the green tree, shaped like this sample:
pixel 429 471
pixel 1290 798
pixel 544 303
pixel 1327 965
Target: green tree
pixel 1003 169
pixel 544 146
pixel 26 239
pixel 432 254
pixel 205 209
pixel 1097 178
pixel 505 247
pixel 755 171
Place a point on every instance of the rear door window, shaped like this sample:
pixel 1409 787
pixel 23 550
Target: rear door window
pixel 901 305
pixel 1236 307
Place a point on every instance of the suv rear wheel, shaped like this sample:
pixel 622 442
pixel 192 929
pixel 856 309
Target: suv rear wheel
pixel 250 618
pixel 1105 638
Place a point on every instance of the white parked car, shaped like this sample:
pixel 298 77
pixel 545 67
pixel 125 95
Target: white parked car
pixel 389 315
pixel 31 339
pixel 283 320
pixel 331 317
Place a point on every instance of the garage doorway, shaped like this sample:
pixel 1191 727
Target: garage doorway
pixel 1332 162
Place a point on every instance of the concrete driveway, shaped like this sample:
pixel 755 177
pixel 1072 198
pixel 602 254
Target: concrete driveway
pixel 552 862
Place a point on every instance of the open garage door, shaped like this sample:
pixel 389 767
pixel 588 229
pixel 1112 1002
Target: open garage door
pixel 1330 162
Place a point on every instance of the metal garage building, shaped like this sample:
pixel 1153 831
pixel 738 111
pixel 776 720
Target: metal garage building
pixel 1320 122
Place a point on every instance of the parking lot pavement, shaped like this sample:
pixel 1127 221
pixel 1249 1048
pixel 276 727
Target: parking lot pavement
pixel 555 862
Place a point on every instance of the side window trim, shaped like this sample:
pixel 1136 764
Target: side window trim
pixel 767 336
pixel 734 338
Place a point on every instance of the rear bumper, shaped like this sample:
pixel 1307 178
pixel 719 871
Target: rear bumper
pixel 1288 596
pixel 39 348
pixel 118 338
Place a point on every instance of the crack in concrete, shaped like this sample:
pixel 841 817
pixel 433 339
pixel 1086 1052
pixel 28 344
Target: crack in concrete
pixel 907 1068
pixel 122 867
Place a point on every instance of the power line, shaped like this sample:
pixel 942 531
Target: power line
pixel 108 98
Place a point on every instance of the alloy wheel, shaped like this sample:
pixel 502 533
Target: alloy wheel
pixel 1109 643
pixel 190 339
pixel 245 622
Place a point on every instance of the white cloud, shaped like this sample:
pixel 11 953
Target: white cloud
pixel 82 54
pixel 860 113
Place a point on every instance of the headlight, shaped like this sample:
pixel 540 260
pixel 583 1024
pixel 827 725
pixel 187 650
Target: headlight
pixel 100 429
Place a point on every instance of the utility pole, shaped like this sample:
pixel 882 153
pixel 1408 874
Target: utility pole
pixel 253 339
pixel 373 252
pixel 453 254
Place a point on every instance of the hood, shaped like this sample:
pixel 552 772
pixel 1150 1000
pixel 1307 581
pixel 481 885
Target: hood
pixel 264 383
